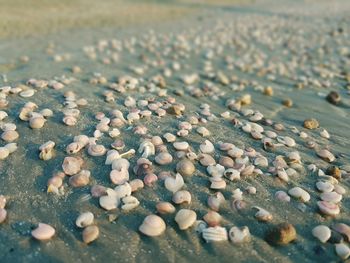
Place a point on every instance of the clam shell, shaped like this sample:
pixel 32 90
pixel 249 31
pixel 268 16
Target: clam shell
pixel 332 197
pixel 81 179
pixel 342 250
pixel 84 219
pixel 215 201
pixel 262 214
pixel 181 197
pixel 96 150
pixel 163 158
pixel 299 193
pixel 136 184
pixel 322 233
pixel 36 122
pixel 4 153
pixel 207 147
pixel 12 147
pixel 90 234
pixel 120 164
pixel 185 218
pixel 165 208
pixel 129 203
pixel 215 234
pixel 181 146
pixel 71 165
pixel 212 218
pixel 342 229
pixel 324 186
pixel 326 155
pixel 206 160
pixel 119 176
pixel 43 232
pixel 9 136
pixel 232 174
pixel 185 167
pixel 282 196
pixel 239 235
pixel 152 225
pixel 108 202
pixel 328 208
pixel 174 184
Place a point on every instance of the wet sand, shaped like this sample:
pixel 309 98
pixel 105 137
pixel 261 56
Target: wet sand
pixel 263 28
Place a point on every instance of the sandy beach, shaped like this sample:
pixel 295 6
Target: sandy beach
pixel 233 82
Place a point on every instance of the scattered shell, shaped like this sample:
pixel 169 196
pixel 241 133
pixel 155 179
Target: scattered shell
pixel 85 219
pixel 90 234
pixel 163 158
pixel 342 250
pixel 216 200
pixel 185 218
pixel 152 225
pixel 43 232
pixel 129 203
pixel 206 147
pixel 299 193
pixel 71 165
pixel 174 184
pixel 4 153
pixel 282 234
pixel 3 214
pixel 326 155
pixel 332 197
pixel 165 208
pixel 311 124
pixel 322 233
pixel 108 202
pixel 215 234
pixel 185 167
pixel 81 179
pixel 212 218
pixel 182 196
pixel 262 214
pixel 328 208
pixel 96 150
pixel 342 229
pixel 36 122
pixel 239 235
pixel 9 135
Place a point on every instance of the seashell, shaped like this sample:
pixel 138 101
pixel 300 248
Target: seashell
pixel 185 167
pixel 3 115
pixel 122 190
pixel 322 233
pixel 81 179
pixel 226 161
pixel 4 153
pixel 287 141
pixel 84 220
pixel 96 150
pixel 232 174
pixel 129 203
pixel 11 147
pixel 163 158
pixel 36 122
pixel 181 197
pixel 185 218
pixel 239 235
pixel 43 232
pixel 299 193
pixel 328 208
pixel 27 93
pixel 49 145
pixel 326 155
pixel 206 160
pixel 324 133
pixel 282 174
pixel 282 234
pixel 199 226
pixel 71 165
pixel 136 184
pixel 215 234
pixel 119 176
pixel 235 152
pixel 82 139
pixel 98 190
pixel 311 124
pixel 150 178
pixel 262 214
pixel 215 201
pixel 216 170
pixel 217 183
pixel 174 184
pixel 165 208
pixel 152 225
pixel 261 161
pixel 324 186
pixel 294 157
pixel 207 147
pixel 147 149
pixel 46 113
pixel 2 201
pixel 271 134
pixel 120 164
pixel 9 136
pixel 69 120
pixel 169 137
pixel 212 218
pixel 237 194
pixel 332 197
pixel 90 234
pixel 74 147
pixel 342 250
pixel 3 215
pixel 203 131
pixel 282 196
pixel 342 229
pixel 337 188
pixel 247 171
pixel 181 146
pixel 108 202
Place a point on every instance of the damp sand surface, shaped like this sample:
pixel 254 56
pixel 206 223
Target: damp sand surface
pixel 309 26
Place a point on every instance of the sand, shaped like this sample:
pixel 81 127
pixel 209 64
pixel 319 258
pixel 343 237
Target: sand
pixel 24 177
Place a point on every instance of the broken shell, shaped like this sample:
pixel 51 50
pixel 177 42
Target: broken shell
pixel 185 218
pixel 328 208
pixel 232 174
pixel 185 167
pixel 239 235
pixel 217 183
pixel 299 193
pixel 2 201
pixel 181 197
pixel 152 225
pixel 165 208
pixel 43 232
pixel 120 164
pixel 129 203
pixel 174 184
pixel 85 219
pixel 206 159
pixel 74 147
pixel 215 234
pixel 262 214
pixel 163 158
pixel 90 234
pixel 216 200
pixel 322 233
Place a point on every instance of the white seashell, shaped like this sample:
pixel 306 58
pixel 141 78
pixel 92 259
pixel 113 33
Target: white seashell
pixel 332 197
pixel 216 170
pixel 174 184
pixel 324 133
pixel 114 133
pixel 27 93
pixel 43 232
pixel 112 155
pixel 119 176
pixel 261 161
pixel 11 147
pixel 239 235
pixel 217 183
pixel 328 208
pixel 181 197
pixel 120 164
pixel 4 153
pixel 3 115
pixel 287 141
pixel 181 146
pixel 282 174
pixel 163 158
pixel 232 174
pixel 152 225
pixel 129 203
pixel 185 218
pixel 215 234
pixel 235 152
pixel 322 233
pixel 96 150
pixel 147 149
pixel 169 137
pixel 326 155
pixel 215 201
pixel 237 194
pixel 85 219
pixel 299 193
pixel 337 188
pixel 203 131
pixel 342 250
pixel 282 196
pixel 122 190
pixel 262 214
pixel 206 147
pixel 108 202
